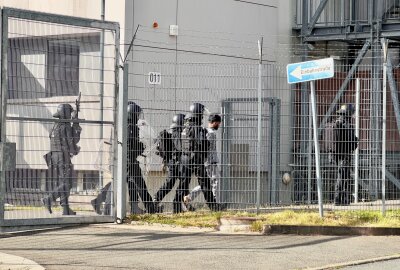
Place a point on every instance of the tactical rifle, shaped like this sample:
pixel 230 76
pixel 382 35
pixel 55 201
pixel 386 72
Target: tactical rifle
pixel 78 106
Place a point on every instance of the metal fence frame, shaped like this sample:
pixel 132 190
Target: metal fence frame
pixel 6 13
pixel 273 144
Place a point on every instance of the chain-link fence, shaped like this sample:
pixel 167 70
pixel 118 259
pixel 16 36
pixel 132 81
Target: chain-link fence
pixel 58 117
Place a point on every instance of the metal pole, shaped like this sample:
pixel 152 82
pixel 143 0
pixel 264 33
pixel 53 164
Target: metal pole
pixel 309 156
pixel 276 149
pixel 116 107
pixel 274 104
pixel 122 145
pixel 101 96
pixel 316 148
pixel 3 110
pixel 260 44
pixel 385 51
pixel 357 131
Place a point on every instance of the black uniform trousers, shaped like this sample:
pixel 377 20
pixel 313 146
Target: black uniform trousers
pixel 61 171
pixel 173 176
pixel 187 170
pixel 137 186
pixel 343 181
pixel 105 196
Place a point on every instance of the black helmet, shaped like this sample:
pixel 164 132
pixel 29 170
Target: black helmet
pixel 64 111
pixel 178 119
pixel 214 117
pixel 133 108
pixel 346 109
pixel 134 112
pixel 197 108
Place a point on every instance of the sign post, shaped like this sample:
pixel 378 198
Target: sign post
pixel 312 71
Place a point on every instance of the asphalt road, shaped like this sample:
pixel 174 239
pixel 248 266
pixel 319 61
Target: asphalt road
pixel 132 247
pixel 387 265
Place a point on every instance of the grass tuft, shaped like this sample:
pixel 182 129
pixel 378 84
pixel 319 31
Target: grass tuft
pixel 288 217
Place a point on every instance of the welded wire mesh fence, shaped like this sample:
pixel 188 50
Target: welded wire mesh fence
pixel 59 114
pixel 287 171
pixel 351 167
pixel 261 157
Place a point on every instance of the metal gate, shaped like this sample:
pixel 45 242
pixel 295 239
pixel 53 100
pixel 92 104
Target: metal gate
pixel 48 60
pixel 239 148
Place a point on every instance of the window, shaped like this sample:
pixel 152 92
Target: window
pixel 42 67
pixel 90 180
pixel 62 72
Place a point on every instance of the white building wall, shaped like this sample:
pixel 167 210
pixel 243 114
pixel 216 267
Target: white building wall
pixel 222 27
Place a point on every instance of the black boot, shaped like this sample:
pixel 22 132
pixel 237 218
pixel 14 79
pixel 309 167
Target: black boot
pixel 96 206
pixel 47 203
pixel 68 211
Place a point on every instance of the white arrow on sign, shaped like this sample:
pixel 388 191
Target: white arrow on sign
pixel 297 73
pixel 310 70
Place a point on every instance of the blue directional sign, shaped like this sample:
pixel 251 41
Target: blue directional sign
pixel 310 70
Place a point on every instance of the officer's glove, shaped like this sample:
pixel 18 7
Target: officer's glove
pixel 73 114
pixel 77 150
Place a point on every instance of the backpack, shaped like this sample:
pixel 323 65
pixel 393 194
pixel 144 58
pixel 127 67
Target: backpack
pixel 194 143
pixel 164 145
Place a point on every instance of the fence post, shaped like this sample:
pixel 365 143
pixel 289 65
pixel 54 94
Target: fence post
pixel 357 131
pixel 309 155
pixel 275 105
pixel 384 97
pixel 260 44
pixel 3 110
pixel 122 147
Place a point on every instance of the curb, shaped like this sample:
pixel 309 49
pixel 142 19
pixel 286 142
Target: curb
pixel 12 262
pixel 235 224
pixel 354 263
pixel 329 230
pixel 277 229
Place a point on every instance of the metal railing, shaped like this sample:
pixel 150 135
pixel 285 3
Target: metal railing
pixel 343 12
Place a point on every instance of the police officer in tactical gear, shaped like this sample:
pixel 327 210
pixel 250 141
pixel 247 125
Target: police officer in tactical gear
pixel 345 143
pixel 194 154
pixel 214 122
pixel 172 159
pixel 136 184
pixel 63 146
